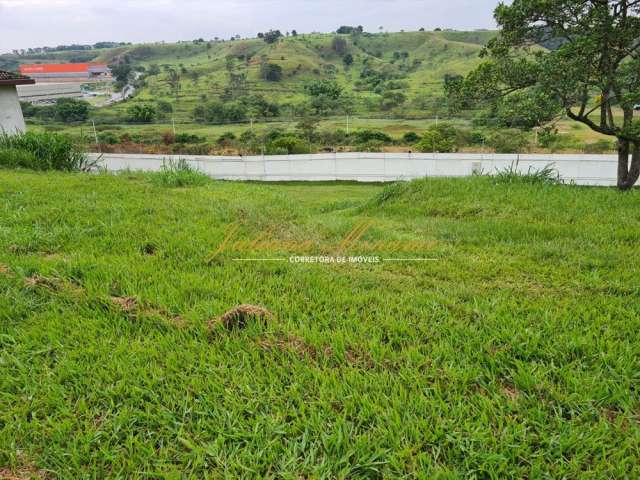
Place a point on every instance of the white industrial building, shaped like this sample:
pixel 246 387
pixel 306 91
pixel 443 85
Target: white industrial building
pixel 11 119
pixel 48 92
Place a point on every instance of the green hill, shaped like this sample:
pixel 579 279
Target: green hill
pixel 392 74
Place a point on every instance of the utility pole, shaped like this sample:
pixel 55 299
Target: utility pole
pixel 347 124
pixel 173 122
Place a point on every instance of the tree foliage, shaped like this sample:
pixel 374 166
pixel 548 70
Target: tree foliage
pixel 593 69
pixel 271 72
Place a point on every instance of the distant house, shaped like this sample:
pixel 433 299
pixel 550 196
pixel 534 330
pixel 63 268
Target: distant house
pixel 67 72
pixel 11 119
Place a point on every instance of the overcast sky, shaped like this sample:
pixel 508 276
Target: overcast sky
pixel 35 23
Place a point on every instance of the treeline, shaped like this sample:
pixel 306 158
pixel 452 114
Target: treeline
pixel 68 48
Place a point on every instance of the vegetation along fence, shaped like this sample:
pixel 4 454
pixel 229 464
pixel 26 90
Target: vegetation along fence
pixel 375 167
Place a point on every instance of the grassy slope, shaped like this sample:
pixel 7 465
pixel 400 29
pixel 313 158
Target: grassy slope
pixel 303 58
pixel 514 355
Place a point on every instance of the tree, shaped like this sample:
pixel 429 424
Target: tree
pixel 307 128
pixel 272 36
pixel 347 60
pixel 595 67
pixel 339 45
pixel 294 33
pixel 71 110
pixel 325 96
pixel 271 72
pixel 174 80
pixel 144 113
pixel 121 72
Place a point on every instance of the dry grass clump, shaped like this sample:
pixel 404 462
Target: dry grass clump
pixel 126 304
pixel 238 318
pixel 296 345
pixel 5 271
pixel 50 283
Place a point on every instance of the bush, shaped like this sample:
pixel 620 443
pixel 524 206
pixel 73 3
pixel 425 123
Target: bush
pixel 168 138
pixel 144 113
pixel 271 72
pixel 189 138
pixel 51 151
pixel 195 149
pixel 178 175
pixel 225 139
pixel 16 158
pixel 509 141
pixel 108 138
pixel 287 145
pixel 164 107
pixel 441 138
pixel 71 110
pixel 371 146
pixel 366 136
pixel 215 111
pixel 411 138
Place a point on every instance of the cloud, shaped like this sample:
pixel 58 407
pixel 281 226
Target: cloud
pixel 31 23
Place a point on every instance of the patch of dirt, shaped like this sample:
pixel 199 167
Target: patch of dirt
pixel 149 249
pixel 357 356
pixel 510 392
pixel 179 321
pixel 239 317
pixel 5 271
pixel 50 283
pixel 22 473
pixel 126 304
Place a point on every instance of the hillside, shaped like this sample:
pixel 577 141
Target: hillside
pixel 400 74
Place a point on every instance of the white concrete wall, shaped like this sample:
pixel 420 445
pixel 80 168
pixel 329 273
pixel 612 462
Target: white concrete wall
pixel 48 91
pixel 11 120
pixel 375 167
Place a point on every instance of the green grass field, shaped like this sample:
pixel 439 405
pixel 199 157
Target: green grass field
pixel 513 354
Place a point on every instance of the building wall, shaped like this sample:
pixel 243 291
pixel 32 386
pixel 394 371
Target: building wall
pixel 11 120
pixel 49 91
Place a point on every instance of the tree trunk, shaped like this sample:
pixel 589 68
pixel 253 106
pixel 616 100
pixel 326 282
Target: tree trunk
pixel 628 173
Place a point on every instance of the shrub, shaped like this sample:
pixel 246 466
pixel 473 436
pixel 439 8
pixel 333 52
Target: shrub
pixel 178 175
pixel 220 112
pixel 108 138
pixel 164 107
pixel 17 158
pixel 365 136
pixel 144 113
pixel 411 138
pixel 371 146
pixel 71 110
pixel 52 151
pixel 271 72
pixel 189 138
pixel 292 146
pixel 226 138
pixel 509 141
pixel 168 138
pixel 441 138
pixel 477 137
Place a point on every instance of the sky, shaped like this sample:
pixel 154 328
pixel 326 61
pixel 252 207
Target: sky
pixel 37 23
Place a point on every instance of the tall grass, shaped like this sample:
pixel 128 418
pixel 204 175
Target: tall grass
pixel 178 175
pixel 42 151
pixel 545 176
